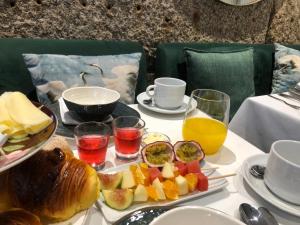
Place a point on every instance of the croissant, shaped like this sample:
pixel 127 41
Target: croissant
pixel 18 217
pixel 52 184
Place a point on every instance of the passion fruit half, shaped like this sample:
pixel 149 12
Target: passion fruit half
pixel 187 151
pixel 157 153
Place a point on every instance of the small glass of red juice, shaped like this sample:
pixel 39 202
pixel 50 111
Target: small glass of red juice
pixel 128 132
pixel 92 139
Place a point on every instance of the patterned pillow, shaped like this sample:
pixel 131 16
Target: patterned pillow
pixel 52 74
pixel 286 73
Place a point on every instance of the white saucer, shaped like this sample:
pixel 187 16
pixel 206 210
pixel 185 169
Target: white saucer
pixel 261 189
pixel 142 96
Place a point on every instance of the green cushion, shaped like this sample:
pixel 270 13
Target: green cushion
pixel 231 72
pixel 170 61
pixel 14 75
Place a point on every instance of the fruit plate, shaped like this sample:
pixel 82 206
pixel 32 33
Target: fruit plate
pixel 31 145
pixel 113 215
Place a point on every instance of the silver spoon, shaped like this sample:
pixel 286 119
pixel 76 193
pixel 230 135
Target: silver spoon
pixel 257 171
pixel 253 216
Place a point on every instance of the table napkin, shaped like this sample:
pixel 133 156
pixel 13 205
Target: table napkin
pixel 67 117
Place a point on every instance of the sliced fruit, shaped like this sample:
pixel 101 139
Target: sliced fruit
pixel 144 169
pixel 187 151
pixel 154 173
pixel 159 189
pixel 192 180
pixel 170 189
pixel 152 193
pixel 110 181
pixel 182 185
pixel 202 182
pixel 167 171
pixel 119 199
pixel 128 179
pixel 181 167
pixel 138 175
pixel 157 153
pixel 193 167
pixel 140 194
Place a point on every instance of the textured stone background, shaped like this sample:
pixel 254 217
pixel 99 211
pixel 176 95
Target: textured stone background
pixel 152 21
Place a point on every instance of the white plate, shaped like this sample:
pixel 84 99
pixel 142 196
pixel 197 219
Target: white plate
pixel 113 215
pixel 142 96
pixel 261 189
pixel 191 215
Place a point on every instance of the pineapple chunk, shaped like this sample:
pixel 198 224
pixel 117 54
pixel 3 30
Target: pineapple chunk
pixel 140 194
pixel 167 171
pixel 128 180
pixel 182 185
pixel 159 189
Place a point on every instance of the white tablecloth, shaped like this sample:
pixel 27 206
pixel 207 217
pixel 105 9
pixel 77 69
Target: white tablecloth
pixel 262 120
pixel 229 160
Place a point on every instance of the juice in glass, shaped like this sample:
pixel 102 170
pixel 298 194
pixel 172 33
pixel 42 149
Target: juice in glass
pixel 128 132
pixel 92 149
pixel 209 133
pixel 92 140
pixel 128 140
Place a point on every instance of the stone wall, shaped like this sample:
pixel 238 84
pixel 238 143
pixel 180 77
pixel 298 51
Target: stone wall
pixel 152 21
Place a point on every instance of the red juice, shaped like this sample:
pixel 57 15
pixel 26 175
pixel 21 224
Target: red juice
pixel 92 149
pixel 127 140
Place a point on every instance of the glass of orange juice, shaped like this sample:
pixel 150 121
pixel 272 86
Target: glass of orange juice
pixel 208 124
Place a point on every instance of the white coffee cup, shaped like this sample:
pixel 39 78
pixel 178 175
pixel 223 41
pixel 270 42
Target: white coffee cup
pixel 168 92
pixel 282 174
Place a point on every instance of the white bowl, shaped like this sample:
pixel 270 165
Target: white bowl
pixel 194 215
pixel 282 175
pixel 91 102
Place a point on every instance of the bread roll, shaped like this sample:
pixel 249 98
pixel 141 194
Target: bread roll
pixel 51 184
pixel 18 217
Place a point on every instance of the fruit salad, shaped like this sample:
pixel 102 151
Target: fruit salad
pixel 140 183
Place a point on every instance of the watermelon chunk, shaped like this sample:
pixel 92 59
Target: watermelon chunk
pixel 154 173
pixel 182 168
pixel 193 167
pixel 202 182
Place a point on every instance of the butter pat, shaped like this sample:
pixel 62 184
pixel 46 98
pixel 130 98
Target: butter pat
pixel 153 137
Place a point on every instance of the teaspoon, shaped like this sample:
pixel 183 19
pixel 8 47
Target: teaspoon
pixel 257 171
pixel 252 216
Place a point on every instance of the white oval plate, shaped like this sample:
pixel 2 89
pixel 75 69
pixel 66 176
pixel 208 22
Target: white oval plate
pixel 113 215
pixel 261 189
pixel 142 96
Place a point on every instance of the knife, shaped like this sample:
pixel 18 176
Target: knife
pixel 290 96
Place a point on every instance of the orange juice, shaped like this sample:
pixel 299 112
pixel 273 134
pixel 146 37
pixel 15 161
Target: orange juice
pixel 209 133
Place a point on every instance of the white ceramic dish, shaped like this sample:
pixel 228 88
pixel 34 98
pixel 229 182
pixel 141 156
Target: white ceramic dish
pixel 142 96
pixel 282 175
pixel 261 189
pixel 113 215
pixel 195 215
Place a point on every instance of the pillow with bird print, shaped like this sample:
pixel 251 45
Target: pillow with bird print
pixel 52 74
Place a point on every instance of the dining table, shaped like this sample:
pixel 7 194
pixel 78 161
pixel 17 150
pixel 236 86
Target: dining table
pixel 262 120
pixel 229 160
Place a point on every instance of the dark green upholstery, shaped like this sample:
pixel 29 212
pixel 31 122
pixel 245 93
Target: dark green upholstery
pixel 14 75
pixel 231 72
pixel 170 60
